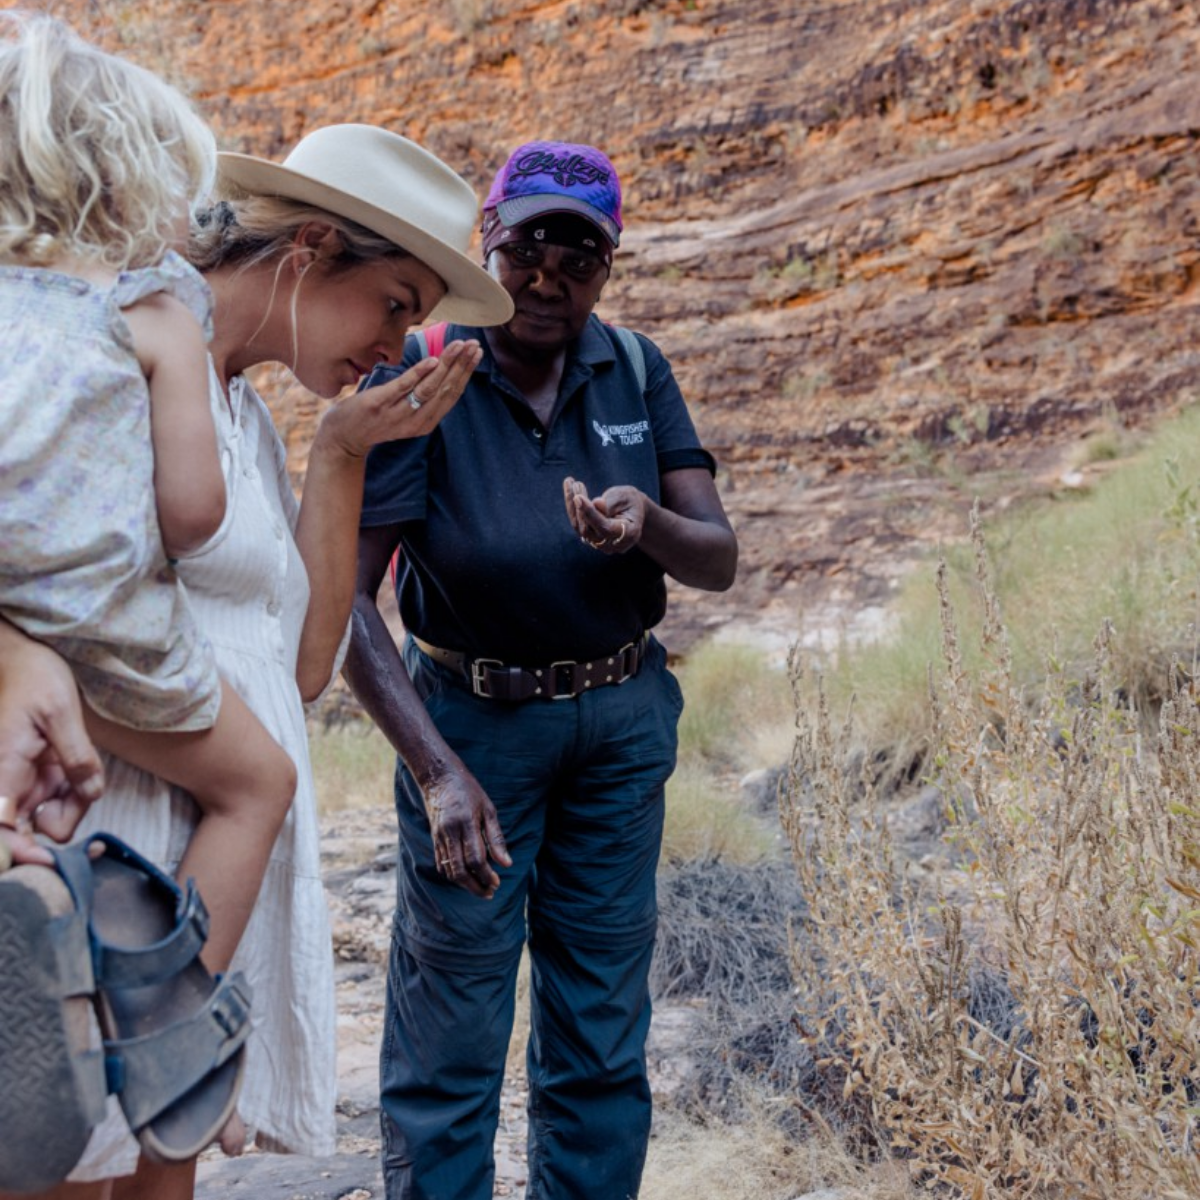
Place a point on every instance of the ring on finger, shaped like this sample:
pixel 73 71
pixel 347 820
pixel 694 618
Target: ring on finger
pixel 414 400
pixel 620 536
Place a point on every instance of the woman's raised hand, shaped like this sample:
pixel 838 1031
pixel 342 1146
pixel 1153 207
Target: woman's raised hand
pixel 408 406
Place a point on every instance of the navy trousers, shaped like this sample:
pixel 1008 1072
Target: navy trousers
pixel 578 786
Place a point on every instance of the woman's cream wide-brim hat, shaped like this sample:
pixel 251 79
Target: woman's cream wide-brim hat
pixel 394 188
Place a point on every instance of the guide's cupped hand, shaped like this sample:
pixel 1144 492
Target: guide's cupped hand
pixel 612 523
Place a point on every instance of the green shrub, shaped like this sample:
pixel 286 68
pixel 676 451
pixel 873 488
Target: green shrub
pixel 1127 553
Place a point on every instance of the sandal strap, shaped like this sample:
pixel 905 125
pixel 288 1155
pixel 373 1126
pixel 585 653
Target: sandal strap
pixel 120 967
pixel 75 868
pixel 69 939
pixel 91 1083
pixel 151 1073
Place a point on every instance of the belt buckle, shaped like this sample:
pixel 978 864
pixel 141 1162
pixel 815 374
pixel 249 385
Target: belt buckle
pixel 620 655
pixel 479 669
pixel 563 662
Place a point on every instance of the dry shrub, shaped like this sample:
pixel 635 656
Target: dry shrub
pixel 1025 1023
pixel 722 946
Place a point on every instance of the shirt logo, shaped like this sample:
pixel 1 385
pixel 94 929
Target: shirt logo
pixel 627 435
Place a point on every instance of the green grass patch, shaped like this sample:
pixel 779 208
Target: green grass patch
pixel 706 819
pixel 1127 552
pixel 353 766
pixel 737 708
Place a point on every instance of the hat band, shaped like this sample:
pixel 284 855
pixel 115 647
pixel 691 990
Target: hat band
pixel 552 229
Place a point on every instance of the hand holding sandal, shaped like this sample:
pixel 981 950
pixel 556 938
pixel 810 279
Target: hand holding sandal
pixel 111 930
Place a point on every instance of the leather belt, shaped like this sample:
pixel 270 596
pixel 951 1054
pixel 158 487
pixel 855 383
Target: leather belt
pixel 563 680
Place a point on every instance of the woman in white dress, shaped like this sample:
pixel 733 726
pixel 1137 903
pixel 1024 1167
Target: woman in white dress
pixel 321 263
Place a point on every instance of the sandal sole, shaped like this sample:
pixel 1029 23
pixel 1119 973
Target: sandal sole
pixel 43 1111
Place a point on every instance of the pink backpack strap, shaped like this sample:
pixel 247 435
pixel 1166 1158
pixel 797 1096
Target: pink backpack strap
pixel 431 342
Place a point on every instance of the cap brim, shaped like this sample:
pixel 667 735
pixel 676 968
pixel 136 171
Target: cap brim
pixel 520 209
pixel 472 297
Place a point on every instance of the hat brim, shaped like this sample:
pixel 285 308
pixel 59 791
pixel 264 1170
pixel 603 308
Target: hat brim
pixel 472 296
pixel 519 209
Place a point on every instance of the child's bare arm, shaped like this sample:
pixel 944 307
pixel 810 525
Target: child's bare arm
pixel 188 485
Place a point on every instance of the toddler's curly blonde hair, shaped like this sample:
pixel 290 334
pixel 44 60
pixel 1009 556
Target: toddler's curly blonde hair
pixel 101 159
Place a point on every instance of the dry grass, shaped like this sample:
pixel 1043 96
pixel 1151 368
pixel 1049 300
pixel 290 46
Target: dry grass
pixel 514 1066
pixel 737 716
pixel 1073 1070
pixel 757 1160
pixel 738 708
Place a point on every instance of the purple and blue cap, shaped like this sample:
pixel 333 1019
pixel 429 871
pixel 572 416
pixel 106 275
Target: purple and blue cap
pixel 541 178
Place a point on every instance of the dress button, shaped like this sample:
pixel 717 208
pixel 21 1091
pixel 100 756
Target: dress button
pixel 537 435
pixel 274 608
pixel 250 473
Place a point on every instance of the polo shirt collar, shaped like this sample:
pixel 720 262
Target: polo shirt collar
pixel 592 347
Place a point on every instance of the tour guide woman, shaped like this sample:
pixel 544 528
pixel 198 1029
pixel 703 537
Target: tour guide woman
pixel 532 710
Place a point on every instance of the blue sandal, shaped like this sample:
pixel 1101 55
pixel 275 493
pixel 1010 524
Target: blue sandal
pixel 174 1035
pixel 109 932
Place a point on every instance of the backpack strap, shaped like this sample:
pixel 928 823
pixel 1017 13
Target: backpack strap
pixel 633 347
pixel 430 342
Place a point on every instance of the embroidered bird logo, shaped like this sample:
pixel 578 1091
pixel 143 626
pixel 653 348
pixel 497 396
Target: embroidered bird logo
pixel 606 438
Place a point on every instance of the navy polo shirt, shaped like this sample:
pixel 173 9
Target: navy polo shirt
pixel 489 562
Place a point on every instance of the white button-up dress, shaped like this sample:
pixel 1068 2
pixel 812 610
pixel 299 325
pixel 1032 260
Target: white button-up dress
pixel 248 589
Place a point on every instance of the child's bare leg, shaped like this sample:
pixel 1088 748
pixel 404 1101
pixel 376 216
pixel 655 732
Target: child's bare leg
pixel 243 783
pixel 157 1181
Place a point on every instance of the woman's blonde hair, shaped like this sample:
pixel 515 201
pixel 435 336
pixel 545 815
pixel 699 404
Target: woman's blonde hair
pixel 246 230
pixel 101 158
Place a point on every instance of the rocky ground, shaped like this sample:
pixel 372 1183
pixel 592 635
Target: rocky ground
pixel 358 851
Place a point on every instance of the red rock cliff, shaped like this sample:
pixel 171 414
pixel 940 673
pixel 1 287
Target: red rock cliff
pixel 865 231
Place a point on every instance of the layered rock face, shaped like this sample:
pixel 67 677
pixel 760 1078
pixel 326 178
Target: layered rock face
pixel 866 232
